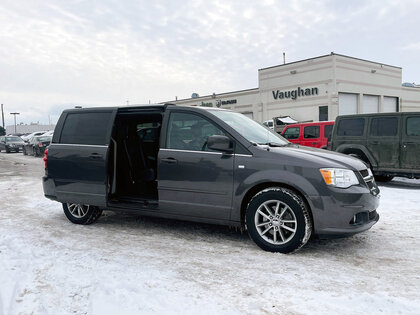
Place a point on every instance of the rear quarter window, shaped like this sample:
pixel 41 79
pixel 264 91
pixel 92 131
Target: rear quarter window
pixel 384 127
pixel 311 132
pixel 86 128
pixel 327 130
pixel 413 126
pixel 351 127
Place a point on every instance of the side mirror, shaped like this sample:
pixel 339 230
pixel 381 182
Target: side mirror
pixel 220 143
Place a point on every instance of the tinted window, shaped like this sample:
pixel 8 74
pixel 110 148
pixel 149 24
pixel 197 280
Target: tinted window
pixel 413 126
pixel 351 127
pixel 190 132
pixel 384 126
pixel 13 139
pixel 86 128
pixel 327 130
pixel 291 133
pixel 311 132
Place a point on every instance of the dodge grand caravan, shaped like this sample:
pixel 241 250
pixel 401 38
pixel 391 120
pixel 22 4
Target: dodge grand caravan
pixel 208 165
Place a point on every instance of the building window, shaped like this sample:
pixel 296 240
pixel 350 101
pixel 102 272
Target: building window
pixel 370 104
pixel 347 103
pixel 323 113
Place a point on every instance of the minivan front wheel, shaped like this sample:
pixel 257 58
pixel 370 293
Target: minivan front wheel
pixel 81 214
pixel 278 220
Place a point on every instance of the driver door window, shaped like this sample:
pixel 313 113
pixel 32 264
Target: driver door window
pixel 190 132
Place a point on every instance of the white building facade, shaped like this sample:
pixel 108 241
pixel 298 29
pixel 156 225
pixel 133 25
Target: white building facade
pixel 319 89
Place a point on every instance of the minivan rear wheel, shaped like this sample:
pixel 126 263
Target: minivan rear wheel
pixel 278 220
pixel 81 214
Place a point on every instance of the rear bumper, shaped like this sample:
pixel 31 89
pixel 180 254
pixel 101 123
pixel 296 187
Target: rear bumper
pixel 49 188
pixel 346 212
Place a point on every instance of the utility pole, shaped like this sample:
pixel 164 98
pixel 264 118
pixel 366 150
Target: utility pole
pixel 2 116
pixel 14 114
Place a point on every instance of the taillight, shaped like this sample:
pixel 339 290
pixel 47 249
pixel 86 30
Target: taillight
pixel 45 158
pixel 40 144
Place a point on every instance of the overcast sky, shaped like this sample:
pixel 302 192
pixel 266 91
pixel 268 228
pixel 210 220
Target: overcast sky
pixel 58 54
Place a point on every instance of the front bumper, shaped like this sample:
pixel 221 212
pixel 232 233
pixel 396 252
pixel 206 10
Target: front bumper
pixel 345 212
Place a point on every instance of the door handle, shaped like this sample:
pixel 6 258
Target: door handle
pixel 169 161
pixel 95 156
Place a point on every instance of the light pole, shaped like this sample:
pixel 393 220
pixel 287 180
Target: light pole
pixel 15 119
pixel 2 116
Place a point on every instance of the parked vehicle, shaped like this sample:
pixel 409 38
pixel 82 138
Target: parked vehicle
pixel 309 134
pixel 388 142
pixel 36 145
pixel 11 143
pixel 269 124
pixel 281 122
pixel 208 165
pixel 26 138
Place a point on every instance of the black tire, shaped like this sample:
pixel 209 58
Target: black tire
pixel 383 178
pixel 24 151
pixel 7 150
pixel 295 210
pixel 88 215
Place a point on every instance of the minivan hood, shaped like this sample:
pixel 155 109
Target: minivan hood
pixel 323 158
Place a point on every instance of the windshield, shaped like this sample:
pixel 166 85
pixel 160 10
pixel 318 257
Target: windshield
pixel 13 139
pixel 249 129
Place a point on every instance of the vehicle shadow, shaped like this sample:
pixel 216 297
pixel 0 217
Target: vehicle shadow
pixel 219 235
pixel 173 228
pixel 402 183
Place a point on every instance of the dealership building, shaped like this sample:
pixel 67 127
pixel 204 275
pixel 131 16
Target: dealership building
pixel 318 89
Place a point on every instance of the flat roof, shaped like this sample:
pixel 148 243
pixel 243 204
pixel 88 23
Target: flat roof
pixel 331 54
pixel 210 95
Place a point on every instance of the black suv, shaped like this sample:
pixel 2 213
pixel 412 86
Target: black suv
pixel 388 142
pixel 206 165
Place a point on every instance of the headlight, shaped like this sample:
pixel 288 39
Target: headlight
pixel 338 177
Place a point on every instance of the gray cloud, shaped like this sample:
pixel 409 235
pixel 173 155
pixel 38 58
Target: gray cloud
pixel 64 53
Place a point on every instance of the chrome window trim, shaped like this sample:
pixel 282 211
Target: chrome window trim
pixel 209 152
pixel 82 145
pixel 191 151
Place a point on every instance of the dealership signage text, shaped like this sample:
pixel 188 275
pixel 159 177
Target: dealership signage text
pixel 295 93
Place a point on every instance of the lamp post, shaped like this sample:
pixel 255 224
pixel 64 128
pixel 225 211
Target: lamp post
pixel 2 115
pixel 14 114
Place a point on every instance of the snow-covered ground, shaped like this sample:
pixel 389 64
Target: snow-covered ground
pixel 127 264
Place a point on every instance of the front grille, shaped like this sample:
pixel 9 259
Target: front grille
pixel 363 217
pixel 369 181
pixel 365 173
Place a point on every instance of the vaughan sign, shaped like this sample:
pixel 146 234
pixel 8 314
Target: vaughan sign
pixel 295 93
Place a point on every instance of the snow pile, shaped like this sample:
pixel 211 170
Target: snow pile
pixel 127 264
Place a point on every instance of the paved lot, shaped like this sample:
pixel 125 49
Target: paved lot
pixel 132 264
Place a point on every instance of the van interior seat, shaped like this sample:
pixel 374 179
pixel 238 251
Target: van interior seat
pixel 138 169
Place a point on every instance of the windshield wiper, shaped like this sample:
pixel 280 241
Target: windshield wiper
pixel 274 144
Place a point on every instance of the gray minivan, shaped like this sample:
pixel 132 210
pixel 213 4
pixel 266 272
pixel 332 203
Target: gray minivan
pixel 205 165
